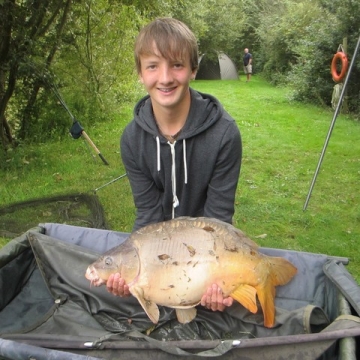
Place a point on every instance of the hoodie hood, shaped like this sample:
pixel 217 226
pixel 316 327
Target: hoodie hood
pixel 205 110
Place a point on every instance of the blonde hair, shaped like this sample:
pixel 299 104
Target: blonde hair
pixel 172 38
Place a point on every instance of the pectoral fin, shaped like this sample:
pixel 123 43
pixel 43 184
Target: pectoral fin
pixel 151 309
pixel 246 296
pixel 185 315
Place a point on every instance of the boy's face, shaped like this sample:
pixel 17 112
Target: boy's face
pixel 166 81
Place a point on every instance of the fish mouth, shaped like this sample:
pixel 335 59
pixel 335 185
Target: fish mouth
pixel 91 274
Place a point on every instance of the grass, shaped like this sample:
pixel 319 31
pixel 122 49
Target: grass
pixel 282 142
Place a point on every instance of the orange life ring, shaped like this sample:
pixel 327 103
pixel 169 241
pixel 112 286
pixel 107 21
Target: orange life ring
pixel 339 56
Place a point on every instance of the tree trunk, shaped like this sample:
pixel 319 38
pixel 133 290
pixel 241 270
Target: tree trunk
pixel 6 20
pixel 27 113
pixel 5 95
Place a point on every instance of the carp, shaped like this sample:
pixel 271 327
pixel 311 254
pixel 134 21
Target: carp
pixel 172 263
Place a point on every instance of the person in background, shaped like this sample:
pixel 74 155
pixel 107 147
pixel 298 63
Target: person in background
pixel 247 59
pixel 182 151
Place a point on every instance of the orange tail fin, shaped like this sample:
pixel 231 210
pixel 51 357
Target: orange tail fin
pixel 266 295
pixel 281 272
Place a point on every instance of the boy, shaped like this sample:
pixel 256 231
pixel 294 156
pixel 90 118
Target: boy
pixel 182 151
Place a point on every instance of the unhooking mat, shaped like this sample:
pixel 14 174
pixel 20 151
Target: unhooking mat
pixel 49 310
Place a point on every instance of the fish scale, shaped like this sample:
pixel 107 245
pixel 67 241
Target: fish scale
pixel 175 271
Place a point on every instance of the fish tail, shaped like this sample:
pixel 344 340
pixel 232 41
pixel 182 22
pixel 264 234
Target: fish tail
pixel 281 272
pixel 266 295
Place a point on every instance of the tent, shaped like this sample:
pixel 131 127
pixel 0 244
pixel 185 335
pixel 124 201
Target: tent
pixel 216 67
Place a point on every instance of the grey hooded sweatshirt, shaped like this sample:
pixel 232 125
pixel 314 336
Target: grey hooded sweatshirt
pixel 196 175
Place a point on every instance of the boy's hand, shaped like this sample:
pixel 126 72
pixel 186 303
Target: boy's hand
pixel 214 299
pixel 116 285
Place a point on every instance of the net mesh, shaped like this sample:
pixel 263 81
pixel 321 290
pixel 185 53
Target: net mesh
pixel 72 209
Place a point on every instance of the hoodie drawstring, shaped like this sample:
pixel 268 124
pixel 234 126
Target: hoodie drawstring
pixel 185 163
pixel 173 178
pixel 158 153
pixel 173 169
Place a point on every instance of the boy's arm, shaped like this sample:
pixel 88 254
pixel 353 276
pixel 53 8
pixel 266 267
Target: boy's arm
pixel 147 197
pixel 220 202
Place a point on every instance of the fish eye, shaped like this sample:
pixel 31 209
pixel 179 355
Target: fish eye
pixel 108 261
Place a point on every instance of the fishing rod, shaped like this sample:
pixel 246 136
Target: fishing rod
pixel 110 182
pixel 76 129
pixel 337 110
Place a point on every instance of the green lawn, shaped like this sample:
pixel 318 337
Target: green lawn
pixel 282 142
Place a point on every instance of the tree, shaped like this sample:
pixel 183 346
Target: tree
pixel 217 24
pixel 82 47
pixel 30 34
pixel 95 67
pixel 297 41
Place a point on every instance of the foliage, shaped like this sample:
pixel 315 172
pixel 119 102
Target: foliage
pixel 280 32
pixel 30 31
pixel 224 20
pixel 97 73
pixel 342 22
pixel 82 50
pixel 297 41
pixel 313 64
